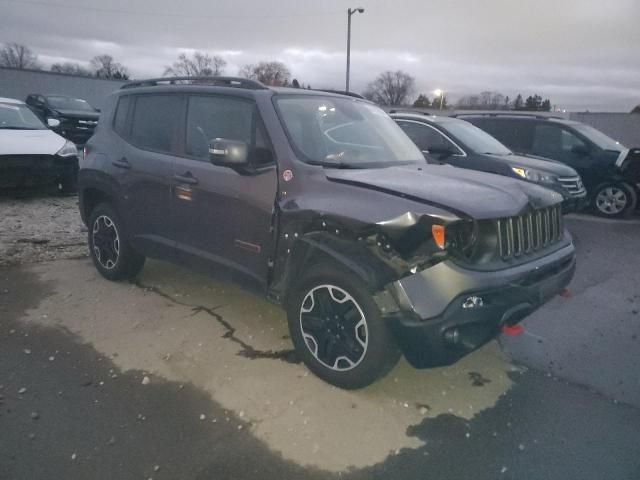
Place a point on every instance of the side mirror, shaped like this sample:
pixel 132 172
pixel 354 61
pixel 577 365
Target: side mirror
pixel 580 150
pixel 53 122
pixel 228 153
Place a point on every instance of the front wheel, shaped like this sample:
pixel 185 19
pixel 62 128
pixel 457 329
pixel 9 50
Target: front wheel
pixel 614 200
pixel 110 251
pixel 338 330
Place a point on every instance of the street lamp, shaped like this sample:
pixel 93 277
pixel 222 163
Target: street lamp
pixel 350 12
pixel 439 93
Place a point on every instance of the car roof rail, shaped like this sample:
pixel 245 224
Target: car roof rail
pixel 237 82
pixel 340 92
pixel 507 114
pixel 408 110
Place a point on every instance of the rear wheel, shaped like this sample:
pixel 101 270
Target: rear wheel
pixel 109 249
pixel 338 330
pixel 614 200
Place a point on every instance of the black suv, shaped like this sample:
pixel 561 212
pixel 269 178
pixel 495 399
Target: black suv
pixel 322 203
pixel 461 144
pixel 610 171
pixel 73 118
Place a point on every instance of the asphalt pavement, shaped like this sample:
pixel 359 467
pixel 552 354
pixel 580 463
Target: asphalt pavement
pixel 178 376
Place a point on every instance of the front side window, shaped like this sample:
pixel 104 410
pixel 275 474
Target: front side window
pixel 156 122
pixel 211 117
pixel 553 141
pixel 344 132
pixel 16 116
pixel 473 138
pixel 426 138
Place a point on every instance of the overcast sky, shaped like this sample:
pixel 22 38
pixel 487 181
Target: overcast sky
pixel 582 54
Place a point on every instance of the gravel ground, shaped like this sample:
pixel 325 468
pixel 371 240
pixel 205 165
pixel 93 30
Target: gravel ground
pixel 39 228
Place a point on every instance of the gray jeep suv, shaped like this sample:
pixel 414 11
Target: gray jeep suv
pixel 322 203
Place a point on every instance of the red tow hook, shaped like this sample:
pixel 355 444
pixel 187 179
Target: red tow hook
pixel 513 330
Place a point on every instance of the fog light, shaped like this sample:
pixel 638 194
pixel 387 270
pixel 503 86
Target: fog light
pixel 473 302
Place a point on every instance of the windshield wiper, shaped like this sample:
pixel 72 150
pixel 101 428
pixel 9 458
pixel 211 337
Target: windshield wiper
pixel 332 164
pixel 18 128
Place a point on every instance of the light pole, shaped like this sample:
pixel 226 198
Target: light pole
pixel 439 93
pixel 350 12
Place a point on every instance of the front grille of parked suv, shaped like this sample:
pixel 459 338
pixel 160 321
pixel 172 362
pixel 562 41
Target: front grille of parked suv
pixel 529 233
pixel 573 185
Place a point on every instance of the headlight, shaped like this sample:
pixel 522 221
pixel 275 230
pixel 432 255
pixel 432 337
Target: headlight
pixel 68 150
pixel 534 175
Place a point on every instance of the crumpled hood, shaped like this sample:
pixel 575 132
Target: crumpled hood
pixel 30 142
pixel 543 164
pixel 83 114
pixel 474 194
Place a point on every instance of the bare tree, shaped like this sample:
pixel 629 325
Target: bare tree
pixel 15 55
pixel 391 88
pixel 70 68
pixel 269 73
pixel 200 64
pixel 104 66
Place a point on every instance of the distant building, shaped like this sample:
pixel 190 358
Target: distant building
pixel 16 83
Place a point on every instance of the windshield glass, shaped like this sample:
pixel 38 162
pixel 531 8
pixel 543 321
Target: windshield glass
pixel 475 139
pixel 68 103
pixel 344 132
pixel 14 116
pixel 600 139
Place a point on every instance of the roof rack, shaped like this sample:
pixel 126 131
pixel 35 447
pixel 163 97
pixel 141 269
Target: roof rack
pixel 340 92
pixel 237 82
pixel 507 114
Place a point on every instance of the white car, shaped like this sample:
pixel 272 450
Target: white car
pixel 30 153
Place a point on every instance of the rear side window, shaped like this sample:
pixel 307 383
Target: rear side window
pixel 156 122
pixel 120 119
pixel 515 134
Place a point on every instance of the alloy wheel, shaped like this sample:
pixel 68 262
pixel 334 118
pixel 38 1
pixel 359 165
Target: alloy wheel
pixel 611 200
pixel 106 242
pixel 334 327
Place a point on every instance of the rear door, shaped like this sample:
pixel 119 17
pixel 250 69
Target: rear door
pixel 152 133
pixel 224 216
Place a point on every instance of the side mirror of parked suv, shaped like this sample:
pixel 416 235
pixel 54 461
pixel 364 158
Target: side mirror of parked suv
pixel 228 153
pixel 53 122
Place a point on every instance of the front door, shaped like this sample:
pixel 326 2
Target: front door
pixel 224 216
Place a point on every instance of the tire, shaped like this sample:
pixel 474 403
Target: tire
pixel 338 330
pixel 614 200
pixel 112 255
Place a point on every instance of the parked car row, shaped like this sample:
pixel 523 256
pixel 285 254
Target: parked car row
pixel 610 171
pixel 459 143
pixel 322 203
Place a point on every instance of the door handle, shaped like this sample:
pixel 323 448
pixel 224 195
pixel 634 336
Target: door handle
pixel 122 163
pixel 187 178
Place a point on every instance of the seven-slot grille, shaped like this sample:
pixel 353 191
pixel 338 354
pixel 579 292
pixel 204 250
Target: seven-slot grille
pixel 573 185
pixel 530 233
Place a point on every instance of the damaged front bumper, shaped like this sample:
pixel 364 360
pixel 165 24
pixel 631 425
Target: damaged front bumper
pixel 444 312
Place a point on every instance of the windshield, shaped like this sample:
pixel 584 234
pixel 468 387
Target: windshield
pixel 344 132
pixel 68 103
pixel 600 139
pixel 475 139
pixel 15 116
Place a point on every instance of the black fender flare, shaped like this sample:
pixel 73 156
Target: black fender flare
pixel 347 253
